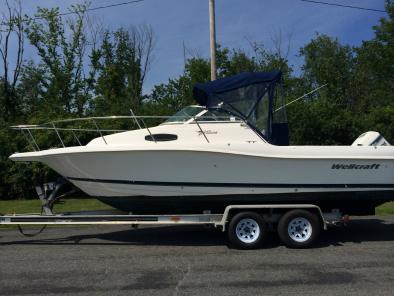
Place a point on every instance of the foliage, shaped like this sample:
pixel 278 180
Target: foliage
pixel 61 68
pixel 120 66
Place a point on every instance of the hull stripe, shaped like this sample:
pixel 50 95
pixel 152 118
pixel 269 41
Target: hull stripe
pixel 241 185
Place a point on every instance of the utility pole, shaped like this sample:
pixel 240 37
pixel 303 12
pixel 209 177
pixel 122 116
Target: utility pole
pixel 212 38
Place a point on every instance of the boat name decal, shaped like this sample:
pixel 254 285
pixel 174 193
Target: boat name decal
pixel 353 166
pixel 208 132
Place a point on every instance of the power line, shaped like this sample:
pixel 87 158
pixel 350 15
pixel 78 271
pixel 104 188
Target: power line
pixel 106 6
pixel 343 5
pixel 97 8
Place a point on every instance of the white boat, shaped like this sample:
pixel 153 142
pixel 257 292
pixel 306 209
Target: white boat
pixel 231 149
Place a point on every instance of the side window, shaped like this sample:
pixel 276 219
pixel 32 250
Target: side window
pixel 259 118
pixel 208 116
pixel 217 116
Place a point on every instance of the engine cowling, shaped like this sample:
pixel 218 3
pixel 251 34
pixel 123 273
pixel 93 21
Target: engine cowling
pixel 371 139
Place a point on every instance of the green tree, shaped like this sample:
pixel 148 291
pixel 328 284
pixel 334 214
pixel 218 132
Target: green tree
pixel 11 29
pixel 120 65
pixel 375 77
pixel 168 98
pixel 327 61
pixel 61 47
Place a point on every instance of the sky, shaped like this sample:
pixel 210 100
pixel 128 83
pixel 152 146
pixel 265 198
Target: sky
pixel 178 22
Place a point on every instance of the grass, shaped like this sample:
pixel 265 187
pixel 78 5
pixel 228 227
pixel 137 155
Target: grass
pixel 385 209
pixel 86 204
pixel 67 205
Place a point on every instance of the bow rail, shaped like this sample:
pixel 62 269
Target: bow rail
pixel 55 126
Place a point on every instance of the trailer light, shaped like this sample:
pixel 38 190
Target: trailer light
pixel 175 218
pixel 346 219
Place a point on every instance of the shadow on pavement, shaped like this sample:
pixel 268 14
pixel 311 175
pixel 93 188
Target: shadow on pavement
pixel 358 231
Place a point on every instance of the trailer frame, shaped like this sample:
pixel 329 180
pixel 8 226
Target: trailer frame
pixel 109 218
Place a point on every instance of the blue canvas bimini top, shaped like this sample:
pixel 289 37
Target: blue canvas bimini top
pixel 249 96
pixel 244 86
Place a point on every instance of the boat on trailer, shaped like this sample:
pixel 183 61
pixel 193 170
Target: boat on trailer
pixel 232 148
pixel 226 162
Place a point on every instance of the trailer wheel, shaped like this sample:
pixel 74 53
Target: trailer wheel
pixel 247 230
pixel 299 228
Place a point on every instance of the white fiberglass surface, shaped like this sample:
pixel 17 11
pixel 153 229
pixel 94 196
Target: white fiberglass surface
pixel 199 166
pixel 188 134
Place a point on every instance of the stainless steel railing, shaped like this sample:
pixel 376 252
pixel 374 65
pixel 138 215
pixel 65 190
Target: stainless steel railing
pixel 139 121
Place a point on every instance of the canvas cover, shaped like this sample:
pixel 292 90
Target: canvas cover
pixel 251 96
pixel 239 94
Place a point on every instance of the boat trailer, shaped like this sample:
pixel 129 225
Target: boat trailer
pixel 258 215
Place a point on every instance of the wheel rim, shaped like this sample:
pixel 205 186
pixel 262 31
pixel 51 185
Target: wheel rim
pixel 299 229
pixel 247 230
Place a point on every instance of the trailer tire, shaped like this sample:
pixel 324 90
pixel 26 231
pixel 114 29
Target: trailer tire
pixel 247 230
pixel 299 228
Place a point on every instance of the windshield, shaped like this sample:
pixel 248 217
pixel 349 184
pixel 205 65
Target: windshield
pixel 217 115
pixel 185 114
pixel 201 114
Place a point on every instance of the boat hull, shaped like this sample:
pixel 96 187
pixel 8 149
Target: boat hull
pixel 189 180
pixel 351 203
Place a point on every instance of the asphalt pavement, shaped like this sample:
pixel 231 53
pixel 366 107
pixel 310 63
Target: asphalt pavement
pixel 117 260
